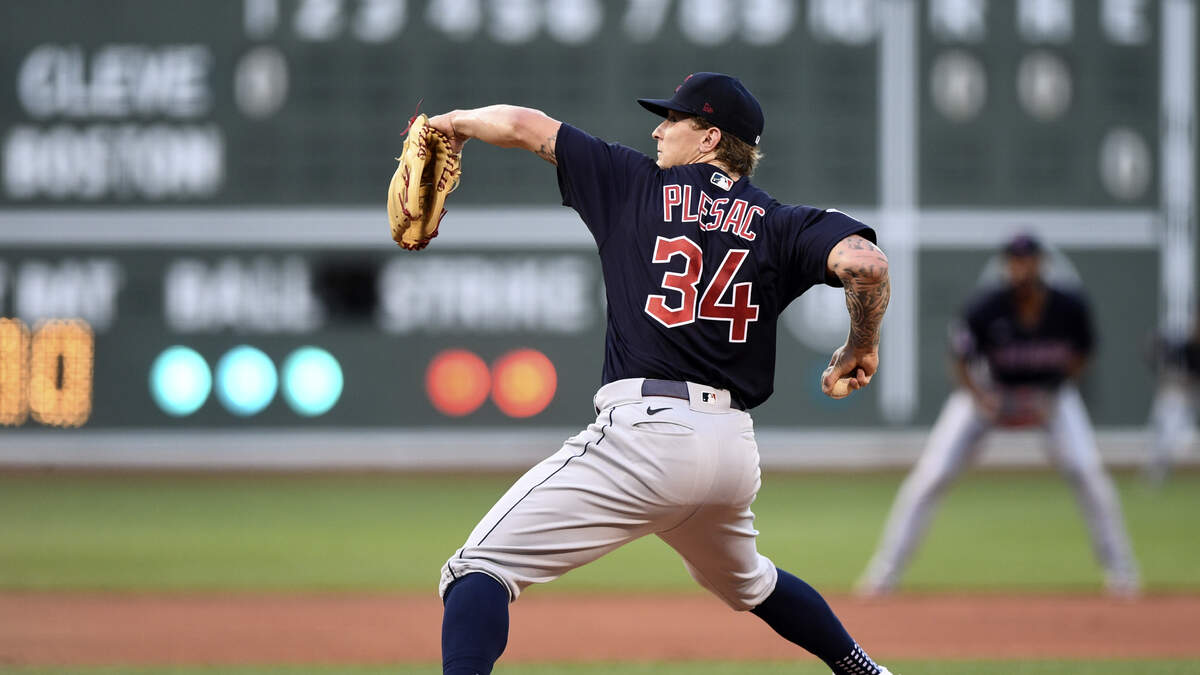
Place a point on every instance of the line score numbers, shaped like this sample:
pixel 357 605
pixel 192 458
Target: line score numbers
pixel 46 373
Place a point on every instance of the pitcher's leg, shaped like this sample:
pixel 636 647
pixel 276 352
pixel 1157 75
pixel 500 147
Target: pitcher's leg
pixel 570 509
pixel 718 547
pixel 798 613
pixel 1079 460
pixel 474 625
pixel 953 440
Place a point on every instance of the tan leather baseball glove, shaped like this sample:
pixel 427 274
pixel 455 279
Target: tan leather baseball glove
pixel 428 172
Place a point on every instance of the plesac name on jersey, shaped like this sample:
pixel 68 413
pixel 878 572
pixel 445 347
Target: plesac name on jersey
pixel 693 205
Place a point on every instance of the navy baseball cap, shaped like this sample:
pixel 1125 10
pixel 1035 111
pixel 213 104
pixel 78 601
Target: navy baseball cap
pixel 1023 244
pixel 720 99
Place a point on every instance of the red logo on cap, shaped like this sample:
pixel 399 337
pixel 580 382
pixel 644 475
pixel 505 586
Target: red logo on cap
pixel 707 108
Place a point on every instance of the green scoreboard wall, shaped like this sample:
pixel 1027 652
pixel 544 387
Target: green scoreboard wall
pixel 386 317
pixel 184 116
pixel 1050 102
pixel 252 101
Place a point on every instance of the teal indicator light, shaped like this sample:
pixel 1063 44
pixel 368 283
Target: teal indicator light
pixel 180 381
pixel 246 380
pixel 312 381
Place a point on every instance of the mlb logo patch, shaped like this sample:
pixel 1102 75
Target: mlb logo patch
pixel 706 396
pixel 722 181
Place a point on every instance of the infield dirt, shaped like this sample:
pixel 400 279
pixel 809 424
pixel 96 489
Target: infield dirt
pixel 220 629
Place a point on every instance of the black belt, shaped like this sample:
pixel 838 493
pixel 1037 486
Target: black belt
pixel 676 389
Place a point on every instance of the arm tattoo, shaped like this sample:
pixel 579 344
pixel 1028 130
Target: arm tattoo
pixel 546 150
pixel 866 303
pixel 863 270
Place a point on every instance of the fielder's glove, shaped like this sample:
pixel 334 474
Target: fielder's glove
pixel 1024 407
pixel 428 172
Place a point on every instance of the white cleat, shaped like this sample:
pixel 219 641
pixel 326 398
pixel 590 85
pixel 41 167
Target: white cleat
pixel 869 589
pixel 1125 586
pixel 875 582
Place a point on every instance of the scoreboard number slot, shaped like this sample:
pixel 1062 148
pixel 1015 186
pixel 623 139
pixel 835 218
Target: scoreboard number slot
pixel 14 372
pixel 46 374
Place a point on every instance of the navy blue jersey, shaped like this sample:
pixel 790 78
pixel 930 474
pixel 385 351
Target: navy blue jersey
pixel 697 266
pixel 1020 355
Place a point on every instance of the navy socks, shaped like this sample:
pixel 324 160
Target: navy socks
pixel 800 615
pixel 474 625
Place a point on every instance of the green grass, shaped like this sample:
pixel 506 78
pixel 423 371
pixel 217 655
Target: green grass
pixel 739 668
pixel 996 531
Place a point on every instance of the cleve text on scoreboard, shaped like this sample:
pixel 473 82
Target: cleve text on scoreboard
pixel 120 120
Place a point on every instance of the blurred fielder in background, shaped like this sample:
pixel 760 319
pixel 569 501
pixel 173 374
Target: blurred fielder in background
pixel 1017 354
pixel 1176 365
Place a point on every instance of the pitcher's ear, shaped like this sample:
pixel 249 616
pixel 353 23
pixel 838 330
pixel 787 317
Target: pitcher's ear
pixel 712 138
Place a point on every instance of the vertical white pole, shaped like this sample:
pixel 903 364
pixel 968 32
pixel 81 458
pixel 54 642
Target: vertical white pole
pixel 898 168
pixel 1178 251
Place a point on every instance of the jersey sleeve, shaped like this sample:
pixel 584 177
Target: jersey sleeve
pixel 593 177
pixel 809 236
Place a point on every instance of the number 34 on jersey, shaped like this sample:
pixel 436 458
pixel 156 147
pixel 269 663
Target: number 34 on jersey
pixel 739 313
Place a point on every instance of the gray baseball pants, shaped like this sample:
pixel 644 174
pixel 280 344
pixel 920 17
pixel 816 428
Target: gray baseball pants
pixel 955 441
pixel 685 470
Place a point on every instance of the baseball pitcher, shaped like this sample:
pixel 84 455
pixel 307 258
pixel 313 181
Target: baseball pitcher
pixel 1034 340
pixel 697 263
